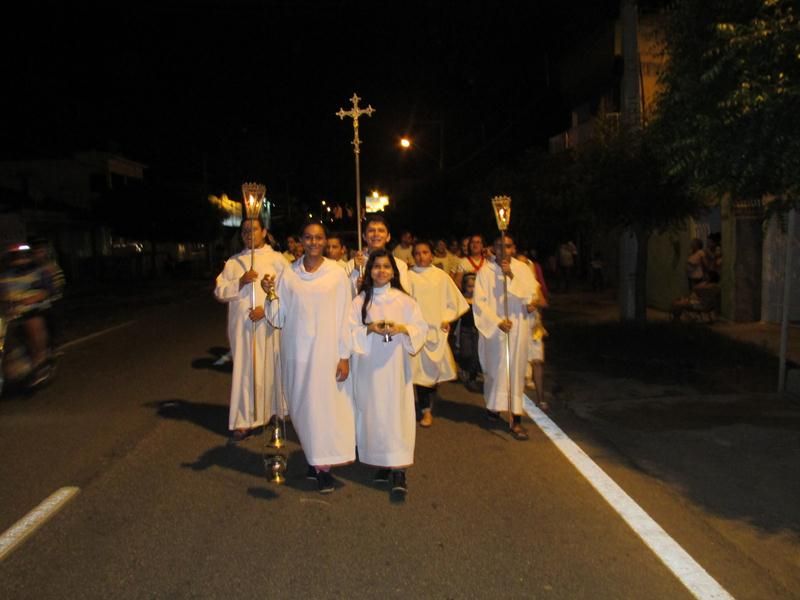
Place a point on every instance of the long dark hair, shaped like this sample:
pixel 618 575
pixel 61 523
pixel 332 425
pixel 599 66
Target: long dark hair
pixel 367 285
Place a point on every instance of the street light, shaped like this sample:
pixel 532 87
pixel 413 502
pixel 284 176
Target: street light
pixel 406 143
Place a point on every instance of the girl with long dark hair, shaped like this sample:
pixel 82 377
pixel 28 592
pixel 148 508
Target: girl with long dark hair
pixel 386 328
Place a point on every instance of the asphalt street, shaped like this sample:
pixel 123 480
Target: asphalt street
pixel 137 419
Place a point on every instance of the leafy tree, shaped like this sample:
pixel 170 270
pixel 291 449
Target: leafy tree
pixel 729 114
pixel 621 183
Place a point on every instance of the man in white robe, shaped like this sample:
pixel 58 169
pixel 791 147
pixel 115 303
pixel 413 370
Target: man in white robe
pixel 497 332
pixel 377 236
pixel 236 285
pixel 441 304
pixel 312 307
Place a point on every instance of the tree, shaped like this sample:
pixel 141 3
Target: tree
pixel 621 183
pixel 729 114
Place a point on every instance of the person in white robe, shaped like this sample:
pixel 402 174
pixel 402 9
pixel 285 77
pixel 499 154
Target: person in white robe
pixel 441 304
pixel 335 251
pixel 235 285
pixel 386 327
pixel 311 308
pixel 495 329
pixel 377 236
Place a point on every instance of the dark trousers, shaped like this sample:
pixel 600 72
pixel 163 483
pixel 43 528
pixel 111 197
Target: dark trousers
pixel 424 397
pixel 468 352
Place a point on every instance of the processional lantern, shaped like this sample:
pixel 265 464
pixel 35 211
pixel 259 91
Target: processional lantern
pixel 502 214
pixel 502 211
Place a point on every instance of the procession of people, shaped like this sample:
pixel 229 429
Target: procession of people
pixel 352 351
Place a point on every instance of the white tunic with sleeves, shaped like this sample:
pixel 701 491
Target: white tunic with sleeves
pixel 383 388
pixel 489 311
pixel 440 301
pixel 240 332
pixel 312 309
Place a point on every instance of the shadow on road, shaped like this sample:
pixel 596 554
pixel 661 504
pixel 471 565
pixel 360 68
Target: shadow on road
pixel 212 417
pixel 210 362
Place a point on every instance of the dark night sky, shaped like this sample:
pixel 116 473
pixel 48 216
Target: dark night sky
pixel 253 86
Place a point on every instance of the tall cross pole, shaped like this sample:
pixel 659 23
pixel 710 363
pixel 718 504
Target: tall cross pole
pixel 354 113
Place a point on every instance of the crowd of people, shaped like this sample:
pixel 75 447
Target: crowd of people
pixel 352 345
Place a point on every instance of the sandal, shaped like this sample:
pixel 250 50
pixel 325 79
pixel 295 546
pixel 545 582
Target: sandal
pixel 518 432
pixel 239 435
pixel 543 406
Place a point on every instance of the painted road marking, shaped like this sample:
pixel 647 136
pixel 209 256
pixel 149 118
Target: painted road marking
pixel 86 338
pixel 676 559
pixel 18 533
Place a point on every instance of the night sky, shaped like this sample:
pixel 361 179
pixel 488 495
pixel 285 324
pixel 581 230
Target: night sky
pixel 250 89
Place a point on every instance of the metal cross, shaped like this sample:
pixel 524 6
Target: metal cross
pixel 354 113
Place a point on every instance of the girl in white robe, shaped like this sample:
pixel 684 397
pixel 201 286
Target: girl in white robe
pixel 235 286
pixel 312 307
pixel 494 329
pixel 386 327
pixel 441 304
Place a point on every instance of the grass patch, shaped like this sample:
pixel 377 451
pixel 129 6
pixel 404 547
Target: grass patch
pixel 663 353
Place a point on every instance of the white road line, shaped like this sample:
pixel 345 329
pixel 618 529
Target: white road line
pixel 17 534
pixel 676 559
pixel 96 334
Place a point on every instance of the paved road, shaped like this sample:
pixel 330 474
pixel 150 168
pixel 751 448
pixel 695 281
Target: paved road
pixel 136 420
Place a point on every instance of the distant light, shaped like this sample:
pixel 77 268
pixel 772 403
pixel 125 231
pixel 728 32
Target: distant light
pixel 310 216
pixel 405 143
pixel 323 203
pixel 375 194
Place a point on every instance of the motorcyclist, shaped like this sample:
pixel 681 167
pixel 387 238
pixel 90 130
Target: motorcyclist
pixel 24 296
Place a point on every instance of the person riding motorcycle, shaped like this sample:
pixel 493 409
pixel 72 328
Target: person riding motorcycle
pixel 23 297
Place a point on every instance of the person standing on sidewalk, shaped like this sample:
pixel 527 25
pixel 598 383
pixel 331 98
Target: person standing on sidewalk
pixel 311 308
pixel 441 304
pixel 494 327
pixel 234 286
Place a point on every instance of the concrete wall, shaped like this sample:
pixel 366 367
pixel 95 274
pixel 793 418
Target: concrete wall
pixel 666 267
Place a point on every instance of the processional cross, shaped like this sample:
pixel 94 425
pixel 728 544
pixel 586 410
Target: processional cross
pixel 354 113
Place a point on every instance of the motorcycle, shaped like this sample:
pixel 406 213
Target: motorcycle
pixel 17 372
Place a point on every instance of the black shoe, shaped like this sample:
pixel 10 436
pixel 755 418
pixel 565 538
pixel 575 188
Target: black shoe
pixel 311 473
pixel 381 476
pixel 492 415
pixel 399 483
pixel 474 386
pixel 325 482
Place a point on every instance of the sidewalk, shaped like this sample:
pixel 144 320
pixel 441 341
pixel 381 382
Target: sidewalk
pixel 728 447
pixel 598 307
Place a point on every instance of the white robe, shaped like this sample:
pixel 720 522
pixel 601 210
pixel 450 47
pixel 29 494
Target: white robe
pixel 240 332
pixel 489 311
pixel 312 310
pixel 384 392
pixel 440 301
pixel 353 273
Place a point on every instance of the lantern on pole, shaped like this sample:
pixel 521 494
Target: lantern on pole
pixel 502 214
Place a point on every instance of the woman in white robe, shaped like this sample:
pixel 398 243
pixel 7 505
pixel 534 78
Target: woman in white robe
pixel 386 327
pixel 441 304
pixel 312 307
pixel 235 286
pixel 494 329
